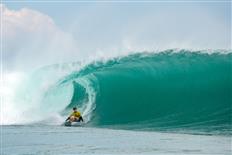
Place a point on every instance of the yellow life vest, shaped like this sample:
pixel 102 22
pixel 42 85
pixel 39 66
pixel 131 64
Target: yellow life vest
pixel 76 114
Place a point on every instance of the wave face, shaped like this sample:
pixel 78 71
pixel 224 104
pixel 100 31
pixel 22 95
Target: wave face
pixel 164 91
pixel 167 91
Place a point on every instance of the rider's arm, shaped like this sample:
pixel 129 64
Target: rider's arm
pixel 67 118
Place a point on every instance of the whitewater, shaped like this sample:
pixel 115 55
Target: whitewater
pixel 166 102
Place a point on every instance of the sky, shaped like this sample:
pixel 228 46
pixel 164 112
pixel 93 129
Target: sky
pixel 43 33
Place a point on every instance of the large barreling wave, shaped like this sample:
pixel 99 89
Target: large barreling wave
pixel 166 91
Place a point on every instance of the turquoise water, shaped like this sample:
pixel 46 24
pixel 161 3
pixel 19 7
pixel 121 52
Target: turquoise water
pixel 177 91
pixel 165 91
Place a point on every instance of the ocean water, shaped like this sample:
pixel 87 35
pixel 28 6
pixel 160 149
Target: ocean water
pixel 50 140
pixel 170 102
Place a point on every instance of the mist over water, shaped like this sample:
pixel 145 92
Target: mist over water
pixel 173 90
